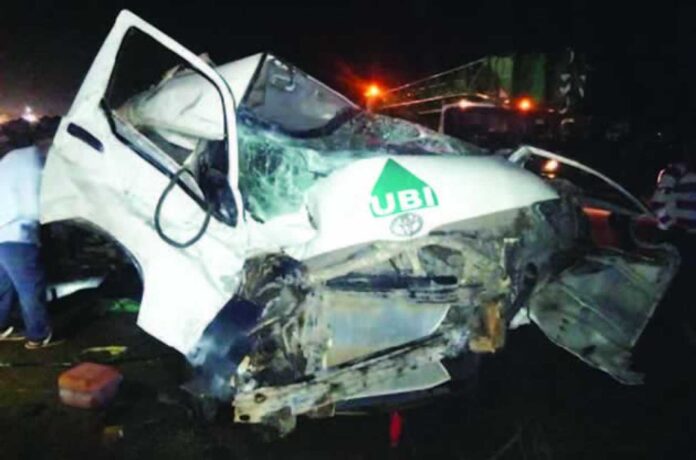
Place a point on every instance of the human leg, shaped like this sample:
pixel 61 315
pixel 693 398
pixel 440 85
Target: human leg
pixel 7 299
pixel 22 264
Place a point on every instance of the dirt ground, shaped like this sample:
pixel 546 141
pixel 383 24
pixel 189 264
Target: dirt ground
pixel 531 401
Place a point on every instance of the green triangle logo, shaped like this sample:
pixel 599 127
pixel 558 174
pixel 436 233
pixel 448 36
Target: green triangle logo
pixel 398 190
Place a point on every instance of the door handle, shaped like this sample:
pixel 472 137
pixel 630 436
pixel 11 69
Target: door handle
pixel 86 137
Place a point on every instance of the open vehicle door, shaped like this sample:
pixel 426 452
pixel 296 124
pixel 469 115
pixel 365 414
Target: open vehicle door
pixel 125 174
pixel 379 258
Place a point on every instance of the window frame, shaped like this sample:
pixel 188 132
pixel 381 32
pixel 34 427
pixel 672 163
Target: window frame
pixel 170 170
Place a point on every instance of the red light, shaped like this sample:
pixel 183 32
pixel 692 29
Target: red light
pixel 525 104
pixel 597 212
pixel 373 91
pixel 396 427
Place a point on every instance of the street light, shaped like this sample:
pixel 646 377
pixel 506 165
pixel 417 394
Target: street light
pixel 373 91
pixel 372 94
pixel 29 115
pixel 525 104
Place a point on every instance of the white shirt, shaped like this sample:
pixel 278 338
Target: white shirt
pixel 20 184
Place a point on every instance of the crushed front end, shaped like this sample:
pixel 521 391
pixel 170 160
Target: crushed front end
pixel 307 256
pixel 380 319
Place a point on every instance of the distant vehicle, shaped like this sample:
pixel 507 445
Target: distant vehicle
pixel 500 127
pixel 309 257
pixel 498 102
pixel 488 125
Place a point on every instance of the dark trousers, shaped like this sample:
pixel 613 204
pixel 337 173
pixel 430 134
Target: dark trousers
pixel 683 284
pixel 22 276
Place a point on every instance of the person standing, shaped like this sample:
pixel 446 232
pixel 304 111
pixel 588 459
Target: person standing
pixel 674 204
pixel 674 200
pixel 22 274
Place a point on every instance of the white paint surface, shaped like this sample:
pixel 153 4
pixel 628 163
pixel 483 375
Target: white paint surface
pixel 117 190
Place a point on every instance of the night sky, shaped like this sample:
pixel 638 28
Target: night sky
pixel 642 56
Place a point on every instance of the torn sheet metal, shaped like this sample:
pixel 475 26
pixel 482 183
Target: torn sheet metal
pixel 341 255
pixel 598 308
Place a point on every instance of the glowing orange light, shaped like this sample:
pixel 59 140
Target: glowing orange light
pixel 551 166
pixel 373 91
pixel 596 212
pixel 525 104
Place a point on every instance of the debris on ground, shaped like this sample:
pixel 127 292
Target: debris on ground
pixel 112 433
pixel 89 385
pixel 124 306
pixel 113 351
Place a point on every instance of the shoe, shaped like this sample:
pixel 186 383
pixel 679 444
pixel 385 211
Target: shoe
pixel 45 343
pixel 9 335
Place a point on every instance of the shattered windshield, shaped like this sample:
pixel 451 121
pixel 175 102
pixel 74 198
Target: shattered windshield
pixel 277 169
pixel 292 131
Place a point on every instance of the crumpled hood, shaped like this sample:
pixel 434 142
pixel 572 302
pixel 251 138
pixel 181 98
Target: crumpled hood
pixel 277 169
pixel 394 198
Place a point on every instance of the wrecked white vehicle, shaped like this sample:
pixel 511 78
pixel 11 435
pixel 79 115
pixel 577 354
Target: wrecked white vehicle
pixel 308 256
